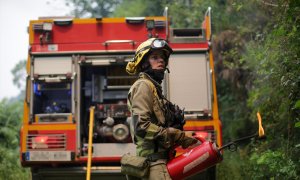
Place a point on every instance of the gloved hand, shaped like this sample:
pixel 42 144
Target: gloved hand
pixel 178 137
pixel 188 141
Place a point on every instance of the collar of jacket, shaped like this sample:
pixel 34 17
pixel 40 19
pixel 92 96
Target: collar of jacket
pixel 146 76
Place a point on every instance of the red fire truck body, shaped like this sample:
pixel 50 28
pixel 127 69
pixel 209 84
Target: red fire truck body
pixel 74 64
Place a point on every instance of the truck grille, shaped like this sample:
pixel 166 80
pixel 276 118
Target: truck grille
pixel 46 141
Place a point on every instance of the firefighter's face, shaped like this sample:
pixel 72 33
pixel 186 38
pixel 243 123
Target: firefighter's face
pixel 156 60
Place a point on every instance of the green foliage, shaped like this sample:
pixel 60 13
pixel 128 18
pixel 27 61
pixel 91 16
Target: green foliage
pixel 19 73
pixel 10 121
pixel 258 61
pixel 134 8
pixel 232 167
pixel 130 9
pixel 92 8
pixel 11 111
pixel 275 65
pixel 188 13
pixel 272 165
pixel 297 105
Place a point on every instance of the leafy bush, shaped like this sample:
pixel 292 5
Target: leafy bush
pixel 10 121
pixel 272 165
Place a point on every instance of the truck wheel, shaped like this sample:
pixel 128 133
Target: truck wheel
pixel 34 174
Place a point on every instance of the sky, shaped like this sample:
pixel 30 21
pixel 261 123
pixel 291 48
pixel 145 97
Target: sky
pixel 14 19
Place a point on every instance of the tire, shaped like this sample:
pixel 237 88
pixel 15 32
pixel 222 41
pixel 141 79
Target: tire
pixel 34 174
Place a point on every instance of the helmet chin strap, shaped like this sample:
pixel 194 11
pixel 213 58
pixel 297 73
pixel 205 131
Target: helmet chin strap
pixel 168 70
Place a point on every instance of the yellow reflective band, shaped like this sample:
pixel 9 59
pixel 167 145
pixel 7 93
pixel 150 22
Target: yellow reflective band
pixel 151 131
pixel 141 150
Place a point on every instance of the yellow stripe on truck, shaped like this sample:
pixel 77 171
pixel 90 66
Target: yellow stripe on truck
pixel 52 127
pixel 194 123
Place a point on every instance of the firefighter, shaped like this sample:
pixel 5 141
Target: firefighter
pixel 152 126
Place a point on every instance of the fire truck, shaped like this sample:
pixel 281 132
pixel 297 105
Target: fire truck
pixel 74 64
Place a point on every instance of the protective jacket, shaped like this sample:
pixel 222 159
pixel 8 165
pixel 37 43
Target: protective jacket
pixel 149 122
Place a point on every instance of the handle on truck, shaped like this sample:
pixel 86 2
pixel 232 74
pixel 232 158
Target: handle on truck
pixel 108 42
pixel 88 173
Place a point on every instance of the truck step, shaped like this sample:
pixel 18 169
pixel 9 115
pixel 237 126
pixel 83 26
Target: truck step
pixel 77 173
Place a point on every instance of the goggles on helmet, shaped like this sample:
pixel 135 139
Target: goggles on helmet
pixel 158 44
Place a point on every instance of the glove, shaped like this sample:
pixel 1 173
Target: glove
pixel 175 135
pixel 178 137
pixel 188 141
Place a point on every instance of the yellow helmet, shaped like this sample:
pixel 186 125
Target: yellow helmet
pixel 133 66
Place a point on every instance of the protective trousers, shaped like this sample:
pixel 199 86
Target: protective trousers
pixel 158 171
